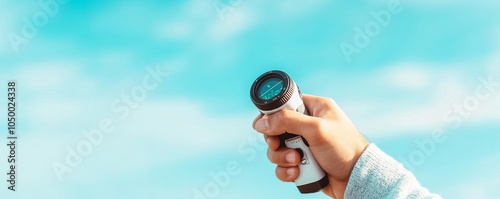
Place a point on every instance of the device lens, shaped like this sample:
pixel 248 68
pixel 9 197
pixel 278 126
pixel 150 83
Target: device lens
pixel 270 88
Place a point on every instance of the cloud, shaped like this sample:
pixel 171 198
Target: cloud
pixel 7 25
pixel 156 133
pixel 184 123
pixel 287 10
pixel 109 18
pixel 235 22
pixel 410 97
pixel 408 76
pixel 492 62
pixel 13 14
pixel 481 184
pixel 48 75
pixel 53 95
pixel 176 30
pixel 447 93
pixel 116 58
pixel 159 132
pixel 199 21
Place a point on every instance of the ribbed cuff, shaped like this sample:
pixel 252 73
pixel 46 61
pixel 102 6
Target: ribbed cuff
pixel 374 174
pixel 377 175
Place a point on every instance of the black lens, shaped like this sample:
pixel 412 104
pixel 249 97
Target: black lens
pixel 270 88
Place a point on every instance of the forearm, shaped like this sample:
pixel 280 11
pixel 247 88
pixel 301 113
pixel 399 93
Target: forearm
pixel 377 175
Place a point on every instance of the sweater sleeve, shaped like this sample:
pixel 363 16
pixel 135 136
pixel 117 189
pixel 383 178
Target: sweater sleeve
pixel 377 175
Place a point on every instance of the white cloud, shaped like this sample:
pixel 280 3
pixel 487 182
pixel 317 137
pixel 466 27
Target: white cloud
pixel 116 58
pixel 439 88
pixel 483 184
pixel 295 9
pixel 426 116
pixel 48 76
pixel 408 76
pixel 198 10
pixel 186 124
pixel 109 18
pixel 12 14
pixel 34 154
pixel 156 133
pixel 54 112
pixel 177 30
pixel 4 41
pixel 6 25
pixel 493 63
pixel 200 19
pixel 181 126
pixel 46 89
pixel 235 22
pixel 164 132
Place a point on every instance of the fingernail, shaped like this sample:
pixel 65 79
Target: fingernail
pixel 268 140
pixel 262 125
pixel 289 171
pixel 290 157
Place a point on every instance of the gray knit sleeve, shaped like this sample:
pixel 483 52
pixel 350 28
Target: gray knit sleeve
pixel 377 175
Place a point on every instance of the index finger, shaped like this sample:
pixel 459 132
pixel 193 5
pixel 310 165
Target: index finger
pixel 288 121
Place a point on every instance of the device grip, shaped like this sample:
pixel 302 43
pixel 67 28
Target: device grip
pixel 312 178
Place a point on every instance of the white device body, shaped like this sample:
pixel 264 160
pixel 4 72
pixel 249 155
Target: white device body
pixel 310 170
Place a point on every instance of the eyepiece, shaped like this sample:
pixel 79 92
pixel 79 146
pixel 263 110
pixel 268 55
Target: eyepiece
pixel 272 90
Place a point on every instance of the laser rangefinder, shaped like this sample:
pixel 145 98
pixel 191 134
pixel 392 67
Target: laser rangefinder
pixel 273 91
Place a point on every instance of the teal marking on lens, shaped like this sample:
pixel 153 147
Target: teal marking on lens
pixel 270 88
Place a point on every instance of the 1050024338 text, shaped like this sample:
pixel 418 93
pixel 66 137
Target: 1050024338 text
pixel 11 136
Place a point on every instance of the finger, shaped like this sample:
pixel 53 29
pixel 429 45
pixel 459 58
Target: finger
pixel 287 174
pixel 288 121
pixel 313 103
pixel 273 142
pixel 284 157
pixel 256 119
pixel 320 106
pixel 261 124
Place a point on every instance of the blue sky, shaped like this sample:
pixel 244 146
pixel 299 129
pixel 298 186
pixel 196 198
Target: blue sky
pixel 401 87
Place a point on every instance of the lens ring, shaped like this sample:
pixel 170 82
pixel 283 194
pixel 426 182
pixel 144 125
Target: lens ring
pixel 275 100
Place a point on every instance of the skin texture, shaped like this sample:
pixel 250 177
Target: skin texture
pixel 332 137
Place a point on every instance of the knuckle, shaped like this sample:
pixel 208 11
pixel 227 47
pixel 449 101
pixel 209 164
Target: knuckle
pixel 283 117
pixel 320 127
pixel 318 124
pixel 280 116
pixel 277 121
pixel 328 102
pixel 273 126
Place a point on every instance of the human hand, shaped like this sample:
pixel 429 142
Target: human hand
pixel 332 137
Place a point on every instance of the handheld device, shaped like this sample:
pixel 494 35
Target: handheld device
pixel 273 91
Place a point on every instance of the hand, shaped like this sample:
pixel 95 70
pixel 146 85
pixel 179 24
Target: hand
pixel 332 137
